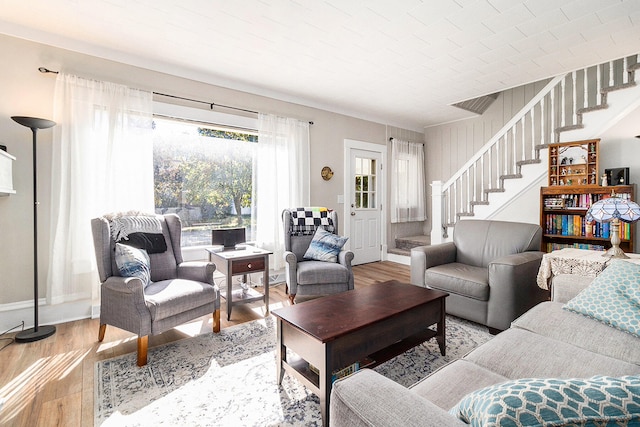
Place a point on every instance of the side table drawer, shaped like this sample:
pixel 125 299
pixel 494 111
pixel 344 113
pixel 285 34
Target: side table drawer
pixel 247 265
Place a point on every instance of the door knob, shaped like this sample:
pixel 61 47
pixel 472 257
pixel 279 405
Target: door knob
pixel 353 214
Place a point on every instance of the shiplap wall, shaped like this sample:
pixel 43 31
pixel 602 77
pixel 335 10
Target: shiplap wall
pixel 449 146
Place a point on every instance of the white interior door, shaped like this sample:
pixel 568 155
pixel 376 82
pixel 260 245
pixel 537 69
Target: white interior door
pixel 363 207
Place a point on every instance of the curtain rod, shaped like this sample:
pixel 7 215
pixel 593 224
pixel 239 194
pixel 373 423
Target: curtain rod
pixel 210 104
pixel 392 138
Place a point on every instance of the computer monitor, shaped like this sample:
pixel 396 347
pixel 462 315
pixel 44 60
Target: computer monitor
pixel 228 237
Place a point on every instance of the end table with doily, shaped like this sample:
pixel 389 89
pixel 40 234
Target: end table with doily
pixel 574 261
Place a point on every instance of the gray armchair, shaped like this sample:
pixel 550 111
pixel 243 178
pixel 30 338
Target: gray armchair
pixel 310 277
pixel 178 292
pixel 489 270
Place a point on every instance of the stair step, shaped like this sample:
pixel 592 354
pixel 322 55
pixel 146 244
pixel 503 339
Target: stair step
pixel 396 251
pixel 594 108
pixel 511 176
pixel 461 214
pixel 494 190
pixel 528 162
pixel 618 87
pixel 479 202
pixel 407 243
pixel 568 128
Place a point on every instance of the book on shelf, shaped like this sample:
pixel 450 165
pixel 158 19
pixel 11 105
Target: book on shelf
pixel 587 246
pixel 577 225
pixel 341 373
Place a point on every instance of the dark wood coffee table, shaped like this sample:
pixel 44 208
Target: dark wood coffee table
pixel 371 324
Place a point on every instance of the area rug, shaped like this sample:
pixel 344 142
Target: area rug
pixel 230 379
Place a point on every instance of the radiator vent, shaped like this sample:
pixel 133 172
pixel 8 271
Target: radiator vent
pixel 477 105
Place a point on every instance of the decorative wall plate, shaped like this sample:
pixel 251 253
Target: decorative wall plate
pixel 326 173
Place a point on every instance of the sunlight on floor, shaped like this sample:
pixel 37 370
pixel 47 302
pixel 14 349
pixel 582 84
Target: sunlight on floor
pixel 21 391
pixel 194 329
pixel 107 345
pixel 260 311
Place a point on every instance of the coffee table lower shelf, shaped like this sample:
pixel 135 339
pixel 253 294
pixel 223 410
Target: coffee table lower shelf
pixel 299 367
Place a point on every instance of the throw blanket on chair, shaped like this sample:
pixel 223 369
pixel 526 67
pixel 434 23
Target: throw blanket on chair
pixel 141 231
pixel 305 221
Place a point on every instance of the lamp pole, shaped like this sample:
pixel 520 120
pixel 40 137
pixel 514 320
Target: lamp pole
pixel 37 332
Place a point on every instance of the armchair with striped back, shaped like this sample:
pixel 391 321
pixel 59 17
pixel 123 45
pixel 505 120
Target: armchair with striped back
pixel 308 276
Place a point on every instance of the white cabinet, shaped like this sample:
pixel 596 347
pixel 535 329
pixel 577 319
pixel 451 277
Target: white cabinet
pixel 6 174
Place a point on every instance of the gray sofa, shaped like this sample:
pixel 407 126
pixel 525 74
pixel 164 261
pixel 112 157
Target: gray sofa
pixel 545 342
pixel 489 270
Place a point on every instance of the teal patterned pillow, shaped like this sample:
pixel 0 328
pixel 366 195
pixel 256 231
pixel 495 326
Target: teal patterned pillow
pixel 133 262
pixel 597 401
pixel 325 246
pixel 613 297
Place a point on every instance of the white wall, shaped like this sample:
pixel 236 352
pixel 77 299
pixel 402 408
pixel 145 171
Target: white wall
pixel 25 91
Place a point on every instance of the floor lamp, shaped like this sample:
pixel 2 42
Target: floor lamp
pixel 37 332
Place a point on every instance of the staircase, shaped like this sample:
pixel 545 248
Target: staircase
pixel 514 159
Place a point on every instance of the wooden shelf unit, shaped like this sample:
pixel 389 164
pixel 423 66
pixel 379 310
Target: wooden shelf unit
pixel 574 164
pixel 570 204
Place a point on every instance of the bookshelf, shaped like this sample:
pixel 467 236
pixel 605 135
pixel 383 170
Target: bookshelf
pixel 574 164
pixel 562 218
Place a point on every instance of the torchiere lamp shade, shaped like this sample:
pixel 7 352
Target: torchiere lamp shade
pixel 614 210
pixel 33 122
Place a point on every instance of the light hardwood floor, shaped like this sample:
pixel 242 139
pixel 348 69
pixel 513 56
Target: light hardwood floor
pixel 50 382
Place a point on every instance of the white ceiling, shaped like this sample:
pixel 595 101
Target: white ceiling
pixel 400 62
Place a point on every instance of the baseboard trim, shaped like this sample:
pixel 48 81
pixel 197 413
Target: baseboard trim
pixel 400 259
pixel 13 314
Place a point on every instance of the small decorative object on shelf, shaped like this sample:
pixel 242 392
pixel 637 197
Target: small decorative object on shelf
pixel 563 218
pixel 573 164
pixel 604 180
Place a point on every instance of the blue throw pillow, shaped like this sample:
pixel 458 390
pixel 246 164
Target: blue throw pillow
pixel 596 401
pixel 325 246
pixel 612 298
pixel 133 262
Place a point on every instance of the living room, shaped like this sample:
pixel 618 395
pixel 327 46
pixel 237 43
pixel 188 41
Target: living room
pixel 28 92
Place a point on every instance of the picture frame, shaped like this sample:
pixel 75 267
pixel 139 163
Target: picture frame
pixel 617 176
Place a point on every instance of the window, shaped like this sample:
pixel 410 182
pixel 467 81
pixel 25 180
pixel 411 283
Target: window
pixel 407 181
pixel 204 174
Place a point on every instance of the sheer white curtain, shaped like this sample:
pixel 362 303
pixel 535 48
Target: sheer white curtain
pixel 407 181
pixel 101 162
pixel 281 178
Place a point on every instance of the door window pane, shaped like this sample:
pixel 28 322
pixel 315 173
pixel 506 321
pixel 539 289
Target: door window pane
pixel 365 183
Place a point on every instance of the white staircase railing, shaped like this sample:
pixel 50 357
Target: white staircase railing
pixel 558 107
